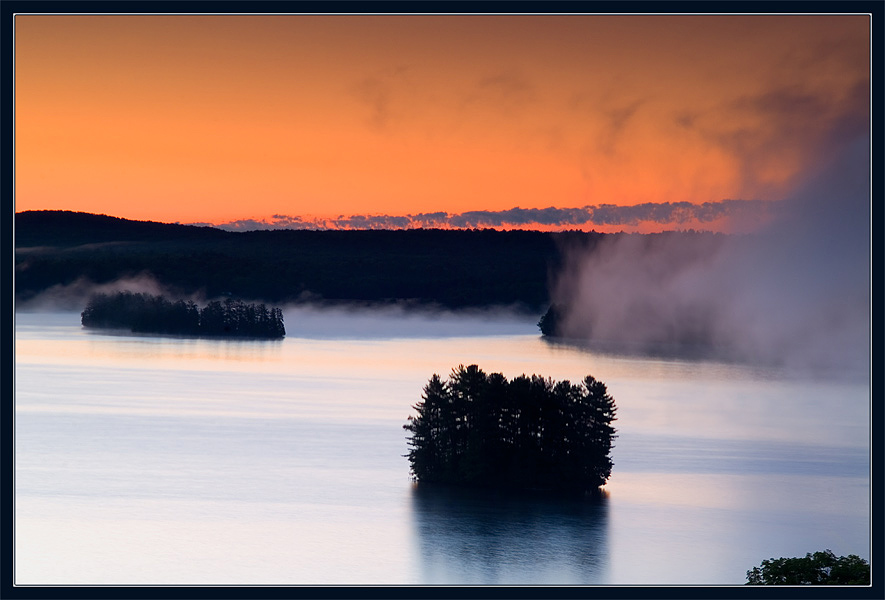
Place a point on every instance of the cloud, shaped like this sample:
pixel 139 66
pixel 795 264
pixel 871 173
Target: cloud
pixel 380 94
pixel 522 216
pixel 777 134
pixel 616 121
pixel 505 92
pixel 670 214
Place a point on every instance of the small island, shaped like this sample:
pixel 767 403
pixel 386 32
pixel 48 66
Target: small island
pixel 145 313
pixel 528 433
pixel 550 323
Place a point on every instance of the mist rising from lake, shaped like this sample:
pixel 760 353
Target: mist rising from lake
pixel 796 292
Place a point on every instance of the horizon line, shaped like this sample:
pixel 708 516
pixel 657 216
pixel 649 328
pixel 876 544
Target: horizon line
pixel 717 215
pixel 723 216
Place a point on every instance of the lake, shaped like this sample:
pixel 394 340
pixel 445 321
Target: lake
pixel 165 460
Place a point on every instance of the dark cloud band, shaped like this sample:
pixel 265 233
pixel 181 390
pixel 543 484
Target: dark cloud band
pixel 665 213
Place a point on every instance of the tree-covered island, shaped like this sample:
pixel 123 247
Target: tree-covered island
pixel 528 433
pixel 145 313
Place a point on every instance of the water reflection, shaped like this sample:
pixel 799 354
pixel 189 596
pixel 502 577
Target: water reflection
pixel 162 460
pixel 473 537
pixel 708 356
pixel 650 349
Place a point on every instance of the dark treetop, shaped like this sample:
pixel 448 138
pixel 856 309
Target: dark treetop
pixel 820 568
pixel 143 313
pixel 528 433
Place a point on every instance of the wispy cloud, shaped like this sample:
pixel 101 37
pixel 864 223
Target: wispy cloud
pixel 505 92
pixel 667 214
pixel 380 92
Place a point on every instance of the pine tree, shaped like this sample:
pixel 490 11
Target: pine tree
pixel 482 430
pixel 144 313
pixel 429 453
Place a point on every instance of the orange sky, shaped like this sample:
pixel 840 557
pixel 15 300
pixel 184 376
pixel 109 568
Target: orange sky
pixel 218 118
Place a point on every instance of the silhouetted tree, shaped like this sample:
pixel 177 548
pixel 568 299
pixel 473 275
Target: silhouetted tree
pixel 481 430
pixel 551 321
pixel 144 313
pixel 429 428
pixel 820 568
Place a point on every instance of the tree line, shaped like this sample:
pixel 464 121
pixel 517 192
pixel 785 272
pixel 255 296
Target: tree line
pixel 820 568
pixel 145 313
pixel 450 268
pixel 530 433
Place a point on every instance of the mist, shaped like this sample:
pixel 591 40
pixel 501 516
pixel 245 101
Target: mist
pixel 75 295
pixel 794 293
pixel 402 320
pixel 317 319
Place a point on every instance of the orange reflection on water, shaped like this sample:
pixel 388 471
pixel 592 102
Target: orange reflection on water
pixel 148 351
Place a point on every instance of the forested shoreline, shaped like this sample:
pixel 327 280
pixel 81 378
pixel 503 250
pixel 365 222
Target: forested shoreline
pixel 448 268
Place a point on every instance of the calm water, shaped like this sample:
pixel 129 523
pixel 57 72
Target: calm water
pixel 156 460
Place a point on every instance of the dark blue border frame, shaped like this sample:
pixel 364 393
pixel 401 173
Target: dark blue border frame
pixel 7 320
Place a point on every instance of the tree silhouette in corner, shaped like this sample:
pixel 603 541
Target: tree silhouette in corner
pixel 820 568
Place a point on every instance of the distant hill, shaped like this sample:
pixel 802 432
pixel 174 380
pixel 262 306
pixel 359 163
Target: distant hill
pixel 61 228
pixel 451 268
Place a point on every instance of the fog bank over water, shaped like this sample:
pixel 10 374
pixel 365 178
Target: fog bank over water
pixel 356 321
pixel 795 293
pixel 75 295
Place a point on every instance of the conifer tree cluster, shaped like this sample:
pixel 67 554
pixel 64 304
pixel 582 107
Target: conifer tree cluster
pixel 145 313
pixel 820 568
pixel 530 433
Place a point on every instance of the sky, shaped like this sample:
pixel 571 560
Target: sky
pixel 629 122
